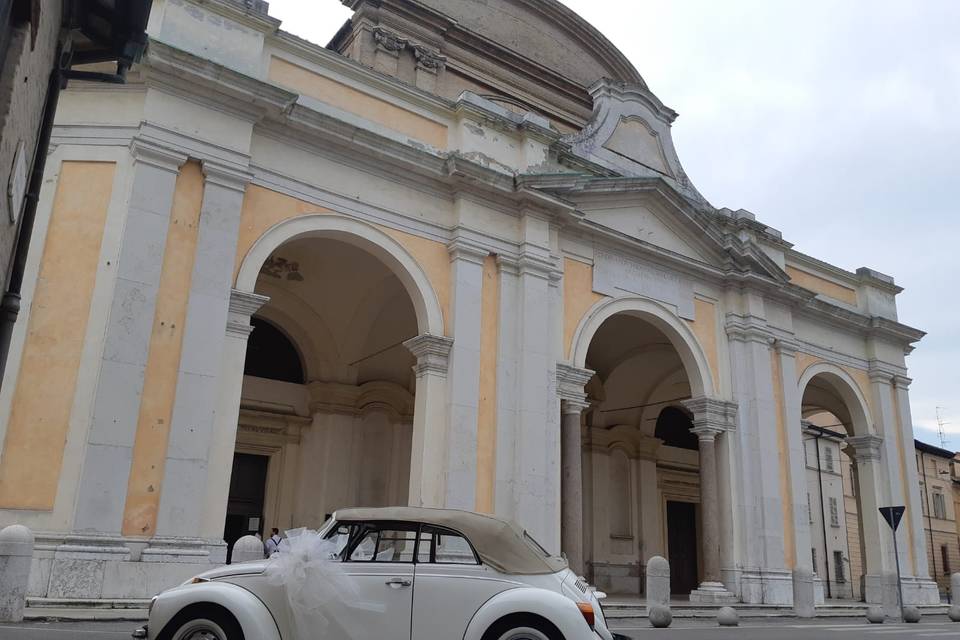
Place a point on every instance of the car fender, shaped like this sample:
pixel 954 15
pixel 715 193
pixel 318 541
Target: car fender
pixel 557 608
pixel 253 616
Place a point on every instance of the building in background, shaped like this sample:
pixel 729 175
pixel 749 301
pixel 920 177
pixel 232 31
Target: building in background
pixel 41 44
pixel 936 470
pixel 826 510
pixel 452 259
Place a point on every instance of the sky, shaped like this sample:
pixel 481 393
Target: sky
pixel 837 123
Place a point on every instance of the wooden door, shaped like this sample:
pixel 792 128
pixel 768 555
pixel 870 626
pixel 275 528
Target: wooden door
pixel 682 541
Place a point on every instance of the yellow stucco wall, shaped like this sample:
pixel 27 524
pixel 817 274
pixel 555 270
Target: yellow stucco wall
pixel 43 398
pixel 264 208
pixel 704 327
pixel 578 297
pixel 163 361
pixel 341 96
pixel 783 455
pixel 487 414
pixel 823 286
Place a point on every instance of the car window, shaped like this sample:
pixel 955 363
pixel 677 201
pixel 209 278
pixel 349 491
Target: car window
pixel 441 546
pixel 383 544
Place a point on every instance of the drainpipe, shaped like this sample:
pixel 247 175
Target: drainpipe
pixel 10 303
pixel 823 517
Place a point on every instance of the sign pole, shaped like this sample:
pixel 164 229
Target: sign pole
pixel 893 515
pixel 896 553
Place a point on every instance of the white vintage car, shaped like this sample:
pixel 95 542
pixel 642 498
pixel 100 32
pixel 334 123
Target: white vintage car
pixel 399 573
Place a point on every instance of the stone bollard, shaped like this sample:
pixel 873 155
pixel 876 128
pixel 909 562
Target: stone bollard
pixel 911 614
pixel 803 594
pixel 16 556
pixel 727 617
pixel 875 615
pixel 246 549
pixel 954 612
pixel 660 616
pixel 658 582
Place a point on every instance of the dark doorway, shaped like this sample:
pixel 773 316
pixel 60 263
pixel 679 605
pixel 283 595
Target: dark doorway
pixel 248 483
pixel 682 543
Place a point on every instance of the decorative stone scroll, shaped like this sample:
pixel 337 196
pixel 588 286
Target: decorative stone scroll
pixel 615 274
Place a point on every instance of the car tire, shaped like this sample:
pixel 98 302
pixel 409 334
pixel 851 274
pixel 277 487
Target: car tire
pixel 523 627
pixel 202 623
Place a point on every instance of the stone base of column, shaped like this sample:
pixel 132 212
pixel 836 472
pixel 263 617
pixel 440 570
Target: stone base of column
pixel 185 550
pixel 712 593
pixel 777 586
pixel 751 587
pixel 920 591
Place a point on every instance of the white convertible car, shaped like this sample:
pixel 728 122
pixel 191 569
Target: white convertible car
pixel 399 573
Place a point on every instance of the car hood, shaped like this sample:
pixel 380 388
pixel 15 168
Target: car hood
pixel 256 567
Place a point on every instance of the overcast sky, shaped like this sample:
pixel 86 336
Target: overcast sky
pixel 837 123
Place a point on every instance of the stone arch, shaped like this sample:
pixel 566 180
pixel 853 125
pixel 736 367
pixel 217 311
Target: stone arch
pixel 673 327
pixel 849 391
pixel 364 236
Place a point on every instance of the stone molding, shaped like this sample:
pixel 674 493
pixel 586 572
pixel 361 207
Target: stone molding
pixel 570 387
pixel 347 399
pixel 786 347
pixel 866 447
pixel 225 176
pixel 255 420
pixel 243 304
pixel 464 249
pixel 711 415
pixel 156 155
pixel 432 354
pixel 748 329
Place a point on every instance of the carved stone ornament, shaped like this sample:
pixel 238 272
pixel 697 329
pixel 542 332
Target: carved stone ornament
pixel 388 41
pixel 429 60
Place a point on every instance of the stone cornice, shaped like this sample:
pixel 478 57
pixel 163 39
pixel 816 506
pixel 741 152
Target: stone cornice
pixel 570 386
pixel 226 176
pixel 711 414
pixel 866 447
pixel 461 248
pixel 243 304
pixel 157 155
pixel 432 354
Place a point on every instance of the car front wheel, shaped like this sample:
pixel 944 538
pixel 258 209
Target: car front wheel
pixel 203 624
pixel 523 627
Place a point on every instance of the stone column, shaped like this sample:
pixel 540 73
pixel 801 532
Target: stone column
pixel 570 384
pixel 463 377
pixel 711 419
pixel 192 428
pixel 223 440
pixel 876 539
pixel 429 443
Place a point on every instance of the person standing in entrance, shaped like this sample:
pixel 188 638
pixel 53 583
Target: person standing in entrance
pixel 271 546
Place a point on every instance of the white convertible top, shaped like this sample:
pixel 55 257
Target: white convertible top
pixel 500 543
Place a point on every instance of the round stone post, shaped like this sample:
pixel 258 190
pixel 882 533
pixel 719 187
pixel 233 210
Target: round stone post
pixel 246 549
pixel 16 555
pixel 658 582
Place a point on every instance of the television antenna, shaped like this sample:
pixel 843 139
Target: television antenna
pixel 940 425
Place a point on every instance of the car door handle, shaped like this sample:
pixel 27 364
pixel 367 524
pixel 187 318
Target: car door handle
pixel 396 583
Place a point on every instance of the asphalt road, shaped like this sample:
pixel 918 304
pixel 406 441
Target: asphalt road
pixel 932 629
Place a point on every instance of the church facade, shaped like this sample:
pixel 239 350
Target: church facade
pixel 452 259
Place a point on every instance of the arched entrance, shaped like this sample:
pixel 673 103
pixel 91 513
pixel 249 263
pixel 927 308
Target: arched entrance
pixel 842 460
pixel 334 395
pixel 649 464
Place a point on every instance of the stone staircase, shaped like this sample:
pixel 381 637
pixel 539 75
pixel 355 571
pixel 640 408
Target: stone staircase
pixel 621 612
pixel 70 609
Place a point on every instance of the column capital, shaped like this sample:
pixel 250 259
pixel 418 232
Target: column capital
pixel 902 382
pixel 465 249
pixel 429 60
pixel 571 382
pixel 389 41
pixel 711 414
pixel 747 329
pixel 243 304
pixel 572 407
pixel 866 447
pixel 432 354
pixel 227 176
pixel 786 347
pixel 157 155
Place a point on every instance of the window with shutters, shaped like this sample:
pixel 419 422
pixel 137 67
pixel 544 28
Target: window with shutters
pixel 834 513
pixel 813 553
pixel 945 557
pixel 838 566
pixel 939 506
